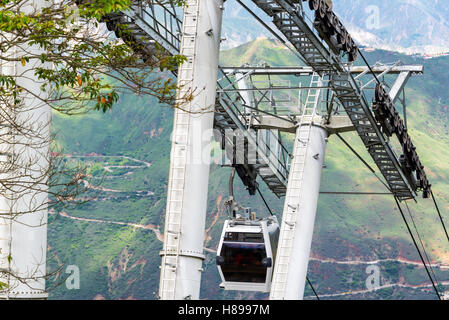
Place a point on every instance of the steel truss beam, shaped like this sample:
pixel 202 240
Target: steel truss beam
pixel 292 22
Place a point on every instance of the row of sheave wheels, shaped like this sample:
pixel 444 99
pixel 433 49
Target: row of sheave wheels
pixel 389 119
pixel 338 38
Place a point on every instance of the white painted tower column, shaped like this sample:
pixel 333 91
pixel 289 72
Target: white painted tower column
pixel 24 165
pixel 185 216
pixel 301 201
pixel 298 217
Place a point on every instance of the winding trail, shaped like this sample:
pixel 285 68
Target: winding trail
pixel 87 185
pixel 145 163
pixel 151 227
pixel 215 219
pixel 391 285
pixel 360 262
pixel 160 237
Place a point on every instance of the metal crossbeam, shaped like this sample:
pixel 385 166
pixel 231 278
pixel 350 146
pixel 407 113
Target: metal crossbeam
pixel 308 71
pixel 399 85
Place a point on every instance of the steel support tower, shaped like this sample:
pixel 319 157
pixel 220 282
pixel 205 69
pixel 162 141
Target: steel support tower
pixel 182 253
pixel 301 200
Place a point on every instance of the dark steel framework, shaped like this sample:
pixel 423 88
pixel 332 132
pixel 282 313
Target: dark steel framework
pixel 322 43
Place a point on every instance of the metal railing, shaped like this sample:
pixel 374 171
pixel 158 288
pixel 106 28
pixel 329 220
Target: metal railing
pixel 274 152
pixel 160 20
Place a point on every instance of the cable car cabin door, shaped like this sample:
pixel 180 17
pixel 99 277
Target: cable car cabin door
pixel 245 257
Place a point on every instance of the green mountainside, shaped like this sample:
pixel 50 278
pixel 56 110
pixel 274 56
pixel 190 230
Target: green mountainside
pixel 408 26
pixel 115 238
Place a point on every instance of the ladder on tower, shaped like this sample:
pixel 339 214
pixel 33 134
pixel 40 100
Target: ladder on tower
pixel 293 198
pixel 181 130
pixel 273 172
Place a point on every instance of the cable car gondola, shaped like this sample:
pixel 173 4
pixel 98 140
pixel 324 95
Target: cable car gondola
pixel 246 253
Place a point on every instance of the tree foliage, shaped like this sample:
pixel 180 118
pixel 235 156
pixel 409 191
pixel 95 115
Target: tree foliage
pixel 81 63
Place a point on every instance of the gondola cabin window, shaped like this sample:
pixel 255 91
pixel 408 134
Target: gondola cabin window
pixel 243 254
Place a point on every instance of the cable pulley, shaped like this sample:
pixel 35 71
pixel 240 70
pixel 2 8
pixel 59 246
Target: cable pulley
pixel 329 25
pixel 391 123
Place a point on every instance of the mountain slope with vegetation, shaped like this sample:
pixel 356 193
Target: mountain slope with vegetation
pixel 408 26
pixel 115 238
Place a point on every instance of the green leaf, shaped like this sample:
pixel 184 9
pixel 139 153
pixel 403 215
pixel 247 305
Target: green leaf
pixel 3 285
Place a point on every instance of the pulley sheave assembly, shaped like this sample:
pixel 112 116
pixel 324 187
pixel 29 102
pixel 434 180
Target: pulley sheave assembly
pixel 391 123
pixel 332 30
